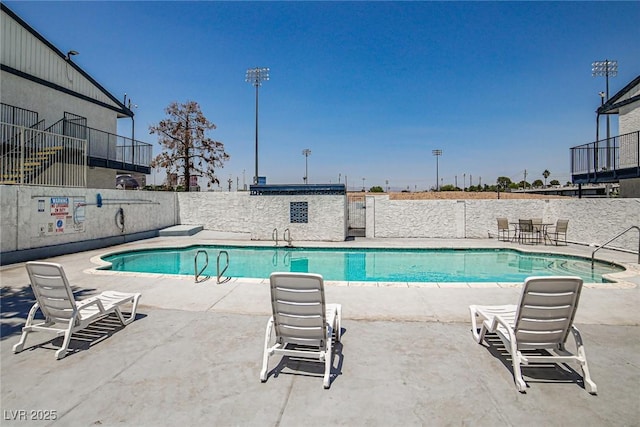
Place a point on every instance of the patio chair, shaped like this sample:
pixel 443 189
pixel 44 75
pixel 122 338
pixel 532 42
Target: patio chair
pixel 63 314
pixel 304 325
pixel 541 321
pixel 526 233
pixel 503 230
pixel 554 233
pixel 536 223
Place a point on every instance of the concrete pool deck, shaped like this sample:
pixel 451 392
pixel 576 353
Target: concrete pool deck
pixel 407 357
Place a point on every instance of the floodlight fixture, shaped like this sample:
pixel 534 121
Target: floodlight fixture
pixel 605 68
pixel 256 76
pixel 71 53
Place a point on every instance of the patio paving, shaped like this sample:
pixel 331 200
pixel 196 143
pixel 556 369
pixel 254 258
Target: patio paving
pixel 407 357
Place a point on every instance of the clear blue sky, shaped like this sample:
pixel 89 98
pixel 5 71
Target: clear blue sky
pixel 371 88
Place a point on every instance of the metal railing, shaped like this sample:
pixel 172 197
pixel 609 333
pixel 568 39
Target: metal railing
pixel 199 272
pixel 220 273
pixel 17 116
pixel 35 157
pixel 108 146
pixel 609 241
pixel 607 157
pixel 286 236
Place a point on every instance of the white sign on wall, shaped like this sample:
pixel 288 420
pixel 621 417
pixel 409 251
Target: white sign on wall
pixel 58 215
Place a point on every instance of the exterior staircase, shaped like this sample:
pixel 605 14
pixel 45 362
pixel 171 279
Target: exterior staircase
pixel 32 155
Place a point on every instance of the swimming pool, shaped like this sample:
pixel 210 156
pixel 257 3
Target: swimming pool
pixel 366 265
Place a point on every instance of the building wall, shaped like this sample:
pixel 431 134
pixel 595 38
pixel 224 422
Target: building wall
pixel 629 119
pixel 51 104
pixel 101 177
pixel 628 122
pixel 630 188
pixel 590 220
pixel 25 52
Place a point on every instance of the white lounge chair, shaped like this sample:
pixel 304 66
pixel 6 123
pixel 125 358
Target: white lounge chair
pixel 304 325
pixel 63 314
pixel 541 321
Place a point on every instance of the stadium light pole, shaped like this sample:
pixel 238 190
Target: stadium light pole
pixel 437 153
pixel 306 152
pixel 605 69
pixel 256 76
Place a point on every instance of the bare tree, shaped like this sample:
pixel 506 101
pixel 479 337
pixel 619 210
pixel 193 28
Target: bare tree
pixel 187 150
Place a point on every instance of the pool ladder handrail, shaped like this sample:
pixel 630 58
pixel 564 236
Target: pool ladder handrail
pixel 195 265
pixel 609 241
pixel 220 273
pixel 206 264
pixel 274 235
pixel 286 236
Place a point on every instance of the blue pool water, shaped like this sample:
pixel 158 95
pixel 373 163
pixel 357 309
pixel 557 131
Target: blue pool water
pixel 366 265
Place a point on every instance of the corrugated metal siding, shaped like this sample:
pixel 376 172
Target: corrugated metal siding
pixel 25 52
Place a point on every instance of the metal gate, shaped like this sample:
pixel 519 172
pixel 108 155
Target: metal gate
pixel 356 216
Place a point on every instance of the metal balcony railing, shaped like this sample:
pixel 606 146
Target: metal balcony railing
pixel 104 149
pixel 17 116
pixel 607 160
pixel 35 157
pixel 107 149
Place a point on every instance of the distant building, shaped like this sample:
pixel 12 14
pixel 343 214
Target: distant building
pixel 46 93
pixel 626 104
pixel 617 158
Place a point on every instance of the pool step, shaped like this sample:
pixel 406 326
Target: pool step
pixel 180 230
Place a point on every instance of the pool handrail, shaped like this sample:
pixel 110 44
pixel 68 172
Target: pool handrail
pixel 195 265
pixel 609 241
pixel 220 273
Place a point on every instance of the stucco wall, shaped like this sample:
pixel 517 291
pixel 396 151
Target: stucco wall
pixel 590 220
pixel 260 215
pixel 22 217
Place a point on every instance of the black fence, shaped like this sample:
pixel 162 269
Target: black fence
pixel 607 160
pixel 297 189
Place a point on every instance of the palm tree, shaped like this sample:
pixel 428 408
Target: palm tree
pixel 546 174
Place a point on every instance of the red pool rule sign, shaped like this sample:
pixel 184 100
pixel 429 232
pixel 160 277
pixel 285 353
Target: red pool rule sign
pixel 59 206
pixel 55 215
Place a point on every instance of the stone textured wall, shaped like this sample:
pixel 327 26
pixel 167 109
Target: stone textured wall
pixel 590 220
pixel 260 215
pixel 216 211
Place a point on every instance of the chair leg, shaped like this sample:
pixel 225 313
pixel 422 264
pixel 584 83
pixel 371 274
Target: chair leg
pixel 589 385
pixel 65 342
pixel 266 354
pixel 23 338
pixel 328 359
pixel 521 385
pixel 478 335
pixel 338 323
pixel 26 329
pixel 134 301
